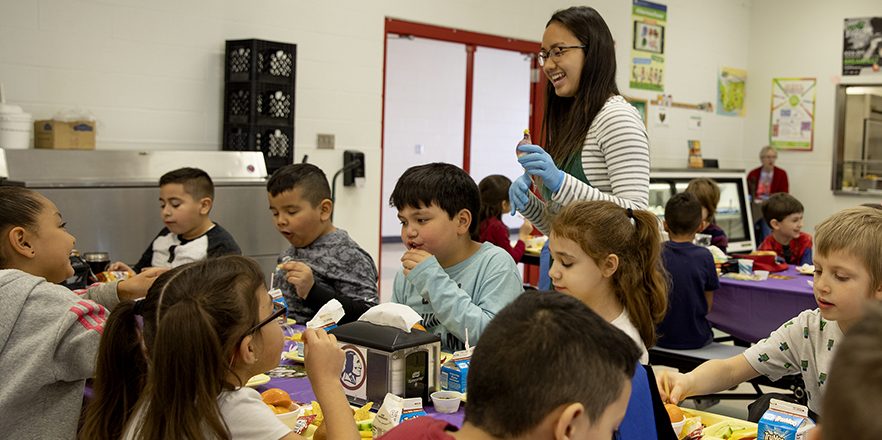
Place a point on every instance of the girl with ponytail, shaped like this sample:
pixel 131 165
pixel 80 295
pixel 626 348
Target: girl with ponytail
pixel 174 365
pixel 609 257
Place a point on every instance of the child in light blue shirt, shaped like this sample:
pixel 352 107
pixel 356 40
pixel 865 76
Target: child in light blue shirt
pixel 456 284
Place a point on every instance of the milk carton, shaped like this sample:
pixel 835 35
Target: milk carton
pixel 784 421
pixel 454 372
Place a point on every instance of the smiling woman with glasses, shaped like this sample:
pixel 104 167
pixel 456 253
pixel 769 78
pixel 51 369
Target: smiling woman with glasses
pixel 207 327
pixel 594 144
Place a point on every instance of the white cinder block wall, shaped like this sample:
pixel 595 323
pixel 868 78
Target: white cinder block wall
pixel 809 46
pixel 152 72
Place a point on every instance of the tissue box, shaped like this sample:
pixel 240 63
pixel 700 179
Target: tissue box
pixel 58 135
pixel 455 372
pixel 382 359
pixel 784 421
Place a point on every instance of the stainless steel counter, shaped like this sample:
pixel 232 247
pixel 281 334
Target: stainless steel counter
pixel 110 199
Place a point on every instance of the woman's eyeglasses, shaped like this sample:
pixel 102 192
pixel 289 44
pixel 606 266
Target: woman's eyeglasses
pixel 555 54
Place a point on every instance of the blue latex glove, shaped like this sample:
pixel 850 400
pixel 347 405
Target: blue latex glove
pixel 539 163
pixel 517 193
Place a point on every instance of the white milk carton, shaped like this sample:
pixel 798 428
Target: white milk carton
pixel 784 421
pixel 395 410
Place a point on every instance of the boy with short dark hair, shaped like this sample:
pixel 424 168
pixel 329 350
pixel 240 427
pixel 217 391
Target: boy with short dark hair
pixel 853 400
pixel 848 277
pixel 323 262
pixel 186 196
pixel 456 284
pixel 693 277
pixel 575 382
pixel 783 213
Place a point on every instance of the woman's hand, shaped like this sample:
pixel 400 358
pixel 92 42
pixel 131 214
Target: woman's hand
pixel 517 193
pixel 539 163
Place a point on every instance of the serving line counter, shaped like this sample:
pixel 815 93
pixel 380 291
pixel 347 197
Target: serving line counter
pixel 751 310
pixel 110 199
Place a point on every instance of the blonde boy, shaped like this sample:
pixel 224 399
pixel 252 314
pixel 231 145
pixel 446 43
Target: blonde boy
pixel 456 284
pixel 853 400
pixel 848 276
pixel 185 199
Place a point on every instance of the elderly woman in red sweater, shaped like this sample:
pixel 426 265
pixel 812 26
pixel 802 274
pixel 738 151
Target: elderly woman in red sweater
pixel 763 182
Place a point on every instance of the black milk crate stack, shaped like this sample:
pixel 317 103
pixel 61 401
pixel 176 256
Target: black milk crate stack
pixel 259 99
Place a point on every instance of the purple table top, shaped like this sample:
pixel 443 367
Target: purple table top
pixel 751 310
pixel 300 390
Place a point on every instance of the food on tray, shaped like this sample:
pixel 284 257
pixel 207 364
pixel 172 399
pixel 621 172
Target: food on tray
pixel 763 253
pixel 674 413
pixel 525 141
pixel 806 269
pixel 363 420
pixel 729 430
pixel 741 276
pixel 781 277
pixel 277 398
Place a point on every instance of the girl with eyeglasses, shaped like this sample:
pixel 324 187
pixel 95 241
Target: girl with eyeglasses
pixel 595 143
pixel 175 364
pixel 48 334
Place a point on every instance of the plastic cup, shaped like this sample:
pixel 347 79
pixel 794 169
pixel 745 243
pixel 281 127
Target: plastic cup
pixel 678 426
pixel 745 266
pixel 763 274
pixel 446 401
pixel 290 419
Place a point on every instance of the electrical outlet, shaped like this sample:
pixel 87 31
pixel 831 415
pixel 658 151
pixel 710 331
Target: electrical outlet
pixel 325 142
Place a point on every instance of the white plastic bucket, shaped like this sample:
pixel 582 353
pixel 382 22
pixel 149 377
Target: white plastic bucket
pixel 16 127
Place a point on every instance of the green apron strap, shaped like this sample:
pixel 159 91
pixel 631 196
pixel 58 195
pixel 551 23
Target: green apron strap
pixel 573 167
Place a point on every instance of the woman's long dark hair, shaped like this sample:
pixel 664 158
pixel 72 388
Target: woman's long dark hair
pixel 567 120
pixel 193 316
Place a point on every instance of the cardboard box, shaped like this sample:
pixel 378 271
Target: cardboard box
pixel 784 421
pixel 58 135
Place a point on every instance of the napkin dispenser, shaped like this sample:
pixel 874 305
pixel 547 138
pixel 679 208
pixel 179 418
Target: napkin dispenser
pixel 382 359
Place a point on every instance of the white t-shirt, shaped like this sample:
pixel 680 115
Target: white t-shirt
pixel 247 417
pixel 804 345
pixel 623 323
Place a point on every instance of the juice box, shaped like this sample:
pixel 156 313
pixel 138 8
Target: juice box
pixel 784 421
pixel 454 372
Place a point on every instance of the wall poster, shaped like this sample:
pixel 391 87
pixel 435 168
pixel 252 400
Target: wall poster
pixel 862 46
pixel 792 124
pixel 648 46
pixel 730 91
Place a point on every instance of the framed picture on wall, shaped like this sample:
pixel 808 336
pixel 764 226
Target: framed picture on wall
pixel 640 105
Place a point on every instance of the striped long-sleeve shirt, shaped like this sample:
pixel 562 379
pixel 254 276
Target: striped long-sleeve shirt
pixel 615 159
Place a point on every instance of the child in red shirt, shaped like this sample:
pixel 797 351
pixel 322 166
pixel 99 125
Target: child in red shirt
pixel 494 201
pixel 783 213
